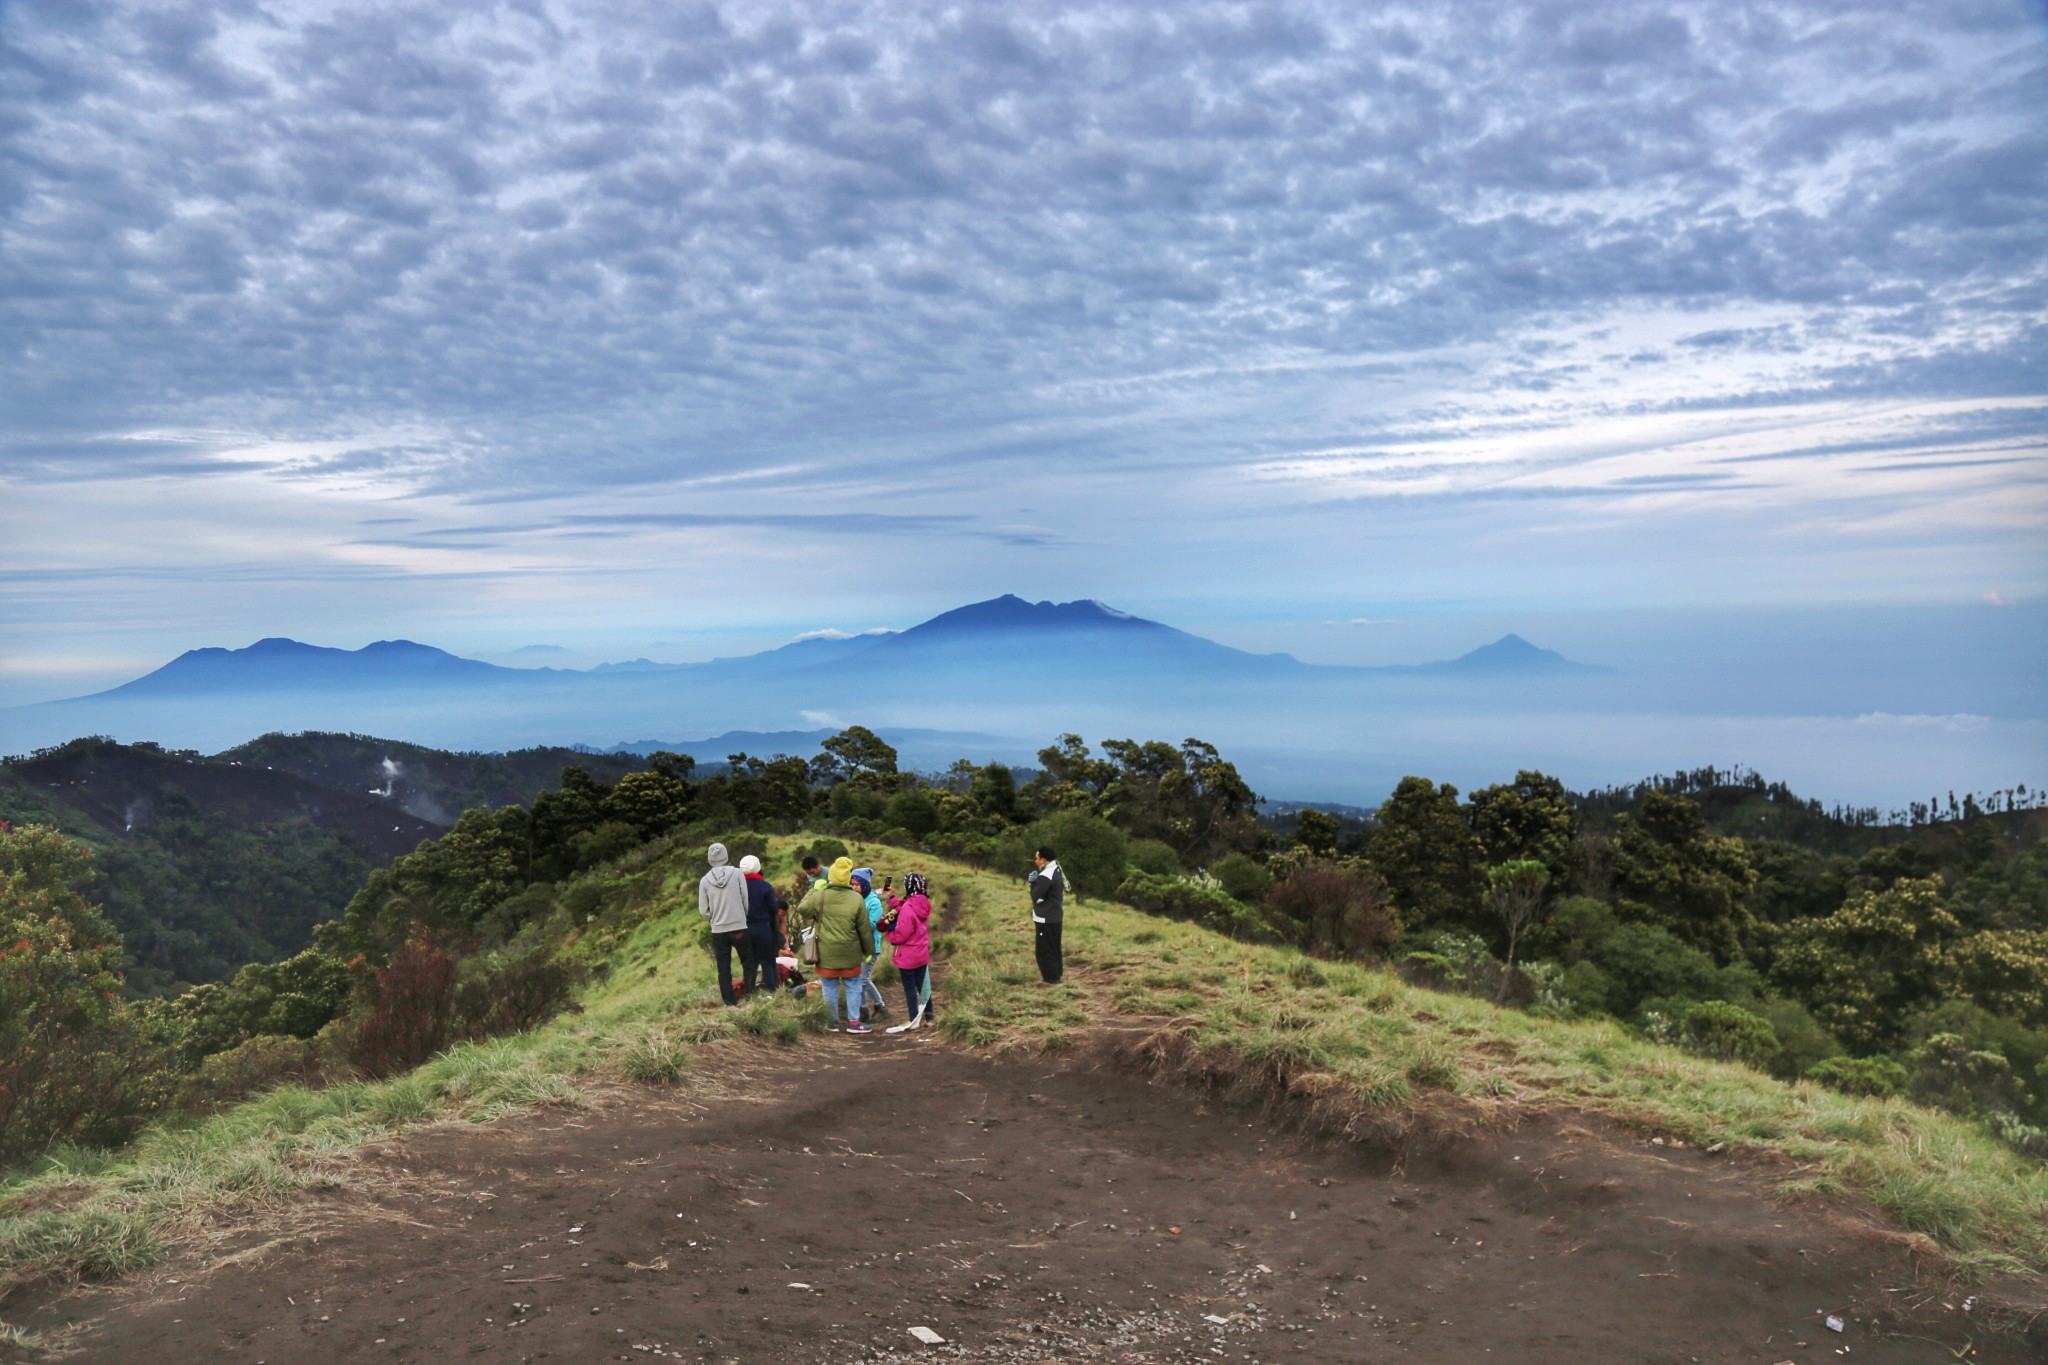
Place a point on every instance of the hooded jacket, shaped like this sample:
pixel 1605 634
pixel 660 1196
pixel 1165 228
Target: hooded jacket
pixel 846 936
pixel 722 894
pixel 911 934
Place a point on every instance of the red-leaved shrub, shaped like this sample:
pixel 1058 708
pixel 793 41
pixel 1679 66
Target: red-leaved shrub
pixel 1334 909
pixel 406 1007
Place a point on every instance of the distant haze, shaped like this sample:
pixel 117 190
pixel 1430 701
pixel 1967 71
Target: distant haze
pixel 996 680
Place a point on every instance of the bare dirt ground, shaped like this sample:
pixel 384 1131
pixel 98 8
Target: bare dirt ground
pixel 814 1203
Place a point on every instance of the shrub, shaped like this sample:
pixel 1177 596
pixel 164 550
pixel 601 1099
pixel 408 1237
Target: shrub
pixel 406 1008
pixel 1199 900
pixel 1802 1043
pixel 507 992
pixel 1948 1073
pixel 1335 909
pixel 259 1064
pixel 1154 857
pixel 826 851
pixel 1730 1033
pixel 1242 877
pixel 1875 1076
pixel 1586 989
pixel 96 1087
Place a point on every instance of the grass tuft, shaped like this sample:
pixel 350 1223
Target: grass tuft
pixel 657 1056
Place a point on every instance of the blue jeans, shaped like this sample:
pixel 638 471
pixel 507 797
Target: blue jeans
pixel 829 987
pixel 868 986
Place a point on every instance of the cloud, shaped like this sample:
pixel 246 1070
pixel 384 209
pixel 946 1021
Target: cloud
pixel 715 306
pixel 832 633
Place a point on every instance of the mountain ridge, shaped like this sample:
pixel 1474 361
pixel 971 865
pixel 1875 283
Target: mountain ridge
pixel 280 663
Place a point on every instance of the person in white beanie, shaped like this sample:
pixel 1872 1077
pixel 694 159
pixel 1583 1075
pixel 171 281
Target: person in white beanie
pixel 764 925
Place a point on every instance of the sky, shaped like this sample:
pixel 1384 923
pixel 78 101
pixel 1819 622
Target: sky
pixel 565 332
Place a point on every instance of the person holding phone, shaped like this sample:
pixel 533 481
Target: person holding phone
pixel 907 926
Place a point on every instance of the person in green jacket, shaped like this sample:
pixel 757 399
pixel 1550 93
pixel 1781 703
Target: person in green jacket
pixel 837 915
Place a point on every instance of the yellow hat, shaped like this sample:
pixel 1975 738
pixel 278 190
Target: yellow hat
pixel 841 873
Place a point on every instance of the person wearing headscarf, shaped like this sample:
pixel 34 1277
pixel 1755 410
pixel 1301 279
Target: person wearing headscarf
pixel 836 916
pixel 763 933
pixel 864 882
pixel 722 899
pixel 908 929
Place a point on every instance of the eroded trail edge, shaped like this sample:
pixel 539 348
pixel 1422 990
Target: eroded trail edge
pixel 813 1203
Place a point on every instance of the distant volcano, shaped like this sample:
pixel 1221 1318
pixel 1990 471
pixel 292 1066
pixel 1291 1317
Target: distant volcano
pixel 1509 654
pixel 277 664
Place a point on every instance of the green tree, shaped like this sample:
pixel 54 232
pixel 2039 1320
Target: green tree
pixel 1070 777
pixel 2006 972
pixel 1189 797
pixel 1423 849
pixel 912 809
pixel 1863 968
pixel 1317 831
pixel 1529 818
pixel 74 1062
pixel 773 791
pixel 857 755
pixel 652 802
pixel 1668 869
pixel 993 787
pixel 1514 892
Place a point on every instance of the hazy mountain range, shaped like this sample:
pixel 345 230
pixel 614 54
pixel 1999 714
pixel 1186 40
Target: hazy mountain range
pixel 1000 678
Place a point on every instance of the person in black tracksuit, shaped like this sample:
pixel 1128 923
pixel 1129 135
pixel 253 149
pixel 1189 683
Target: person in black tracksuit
pixel 1048 902
pixel 763 907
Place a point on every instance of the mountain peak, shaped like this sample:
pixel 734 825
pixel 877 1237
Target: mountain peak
pixel 279 663
pixel 1012 613
pixel 1510 654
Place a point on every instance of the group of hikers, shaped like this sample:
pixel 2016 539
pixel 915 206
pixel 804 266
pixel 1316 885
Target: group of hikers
pixel 835 930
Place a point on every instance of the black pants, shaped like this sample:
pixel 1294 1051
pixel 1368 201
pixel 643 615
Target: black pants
pixel 1050 964
pixel 761 938
pixel 915 982
pixel 722 946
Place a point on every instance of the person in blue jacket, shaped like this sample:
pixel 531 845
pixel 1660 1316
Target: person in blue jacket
pixel 864 882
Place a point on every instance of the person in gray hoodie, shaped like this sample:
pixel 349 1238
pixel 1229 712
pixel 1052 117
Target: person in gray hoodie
pixel 722 899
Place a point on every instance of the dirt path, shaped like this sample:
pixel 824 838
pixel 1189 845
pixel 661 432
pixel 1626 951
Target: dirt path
pixel 812 1204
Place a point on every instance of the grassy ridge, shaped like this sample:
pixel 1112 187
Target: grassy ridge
pixel 1365 1052
pixel 1372 1054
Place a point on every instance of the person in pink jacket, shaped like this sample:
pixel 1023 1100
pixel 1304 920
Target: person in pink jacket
pixel 907 926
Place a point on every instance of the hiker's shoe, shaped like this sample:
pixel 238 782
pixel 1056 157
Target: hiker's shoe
pixel 858 1027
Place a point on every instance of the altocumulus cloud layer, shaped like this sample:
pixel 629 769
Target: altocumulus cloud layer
pixel 454 310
